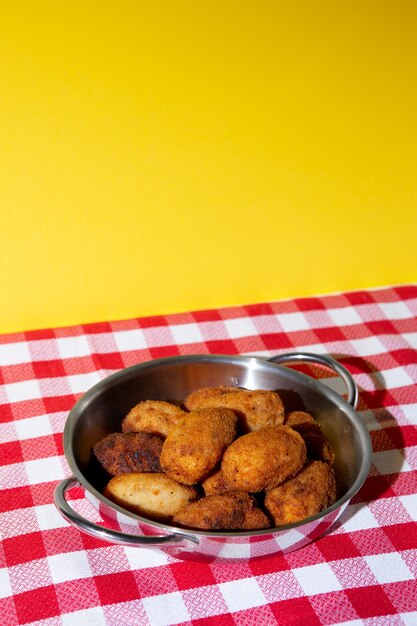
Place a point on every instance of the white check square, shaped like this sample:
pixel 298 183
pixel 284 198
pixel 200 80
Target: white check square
pixel 33 427
pixel 395 310
pixel 242 594
pixel 316 579
pixel 388 568
pixel 410 413
pixel 5 587
pixel 163 608
pixel 14 353
pixel 25 390
pixel 358 517
pixel 92 617
pixel 70 347
pixel 129 340
pixel 144 558
pixel 69 566
pixel 394 377
pixel 345 316
pixel 48 517
pixel 411 338
pixel 186 333
pixel 240 327
pixel 79 383
pixel 293 322
pixel 368 346
pixel 44 470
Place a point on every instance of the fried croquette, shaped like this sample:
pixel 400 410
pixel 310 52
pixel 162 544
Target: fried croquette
pixel 214 484
pixel 308 493
pixel 256 409
pixel 195 398
pixel 299 418
pixel 318 446
pixel 229 511
pixel 195 445
pixel 122 453
pixel 263 459
pixel 152 495
pixel 153 416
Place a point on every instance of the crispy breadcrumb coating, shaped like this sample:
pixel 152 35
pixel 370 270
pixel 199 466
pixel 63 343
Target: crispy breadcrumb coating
pixel 308 493
pixel 121 453
pixel 215 483
pixel 318 446
pixel 229 511
pixel 196 444
pixel 263 459
pixel 194 399
pixel 256 409
pixel 152 495
pixel 153 416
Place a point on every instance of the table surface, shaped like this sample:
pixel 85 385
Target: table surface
pixel 362 571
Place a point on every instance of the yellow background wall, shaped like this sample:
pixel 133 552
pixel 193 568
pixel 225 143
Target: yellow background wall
pixel 163 156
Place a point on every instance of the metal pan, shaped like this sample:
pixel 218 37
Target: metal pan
pixel 101 409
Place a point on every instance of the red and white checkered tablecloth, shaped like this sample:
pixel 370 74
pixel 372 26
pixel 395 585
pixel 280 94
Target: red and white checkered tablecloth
pixel 362 572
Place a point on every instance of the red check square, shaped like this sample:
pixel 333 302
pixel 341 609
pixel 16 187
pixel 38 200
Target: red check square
pixel 10 452
pixel 114 588
pixel 21 497
pixel 295 612
pixel 370 601
pixel 188 578
pixel 48 369
pixel 38 604
pixel 23 548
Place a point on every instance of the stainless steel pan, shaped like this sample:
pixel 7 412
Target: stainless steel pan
pixel 101 409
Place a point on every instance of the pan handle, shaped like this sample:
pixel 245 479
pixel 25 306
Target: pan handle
pixel 107 534
pixel 321 359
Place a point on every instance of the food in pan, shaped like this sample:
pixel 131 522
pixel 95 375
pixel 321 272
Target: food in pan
pixel 308 493
pixel 235 510
pixel 256 409
pixel 215 483
pixel 230 459
pixel 121 453
pixel 318 447
pixel 153 416
pixel 197 397
pixel 196 444
pixel 263 459
pixel 152 495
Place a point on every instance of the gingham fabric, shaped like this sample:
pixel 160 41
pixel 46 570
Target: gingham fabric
pixel 362 572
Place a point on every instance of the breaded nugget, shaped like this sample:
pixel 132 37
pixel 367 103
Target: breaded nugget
pixel 194 399
pixel 308 493
pixel 263 459
pixel 155 496
pixel 256 409
pixel 318 446
pixel 121 453
pixel 195 445
pixel 215 484
pixel 230 511
pixel 256 519
pixel 298 418
pixel 152 416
